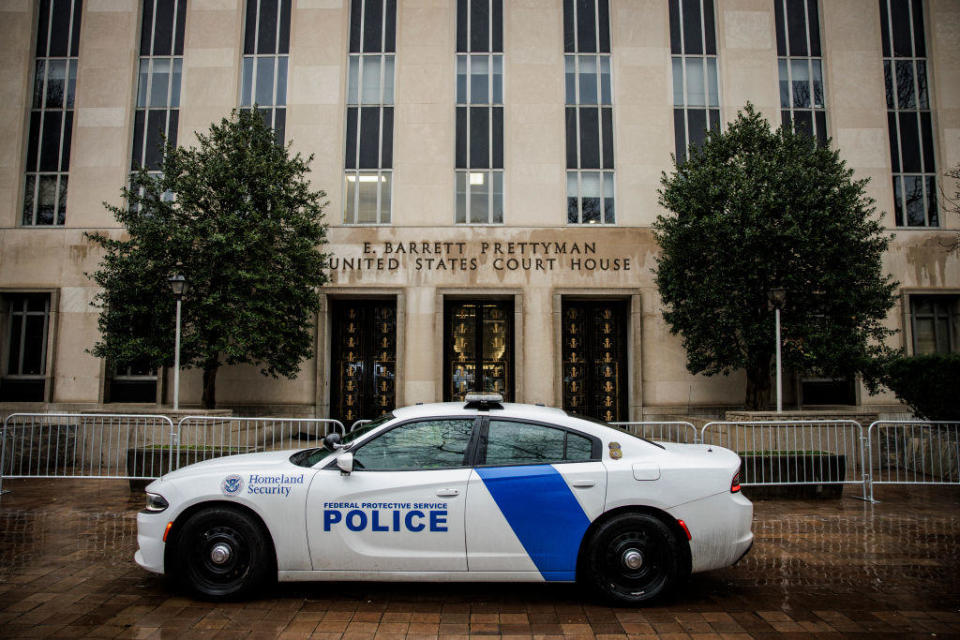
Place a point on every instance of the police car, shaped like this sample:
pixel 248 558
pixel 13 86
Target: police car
pixel 481 491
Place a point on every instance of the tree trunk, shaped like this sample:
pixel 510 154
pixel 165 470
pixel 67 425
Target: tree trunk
pixel 210 368
pixel 758 385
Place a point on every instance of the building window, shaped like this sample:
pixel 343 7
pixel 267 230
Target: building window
pixel 479 190
pixel 935 324
pixel 908 113
pixel 51 113
pixel 801 67
pixel 158 91
pixel 266 45
pixel 25 361
pixel 696 94
pixel 589 114
pixel 369 148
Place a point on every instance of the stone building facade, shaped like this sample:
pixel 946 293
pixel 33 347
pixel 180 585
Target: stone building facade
pixel 491 167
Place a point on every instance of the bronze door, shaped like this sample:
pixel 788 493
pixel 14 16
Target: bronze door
pixel 595 359
pixel 363 359
pixel 478 348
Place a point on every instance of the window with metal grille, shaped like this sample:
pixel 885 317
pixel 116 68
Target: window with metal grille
pixel 696 92
pixel 909 119
pixel 369 148
pixel 479 146
pixel 266 45
pixel 51 113
pixel 802 104
pixel 589 112
pixel 158 91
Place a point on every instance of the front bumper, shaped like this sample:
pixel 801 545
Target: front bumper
pixel 150 528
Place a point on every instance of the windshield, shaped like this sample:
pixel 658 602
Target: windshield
pixel 310 457
pixel 614 427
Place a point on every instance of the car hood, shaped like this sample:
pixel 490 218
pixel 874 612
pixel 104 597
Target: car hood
pixel 240 462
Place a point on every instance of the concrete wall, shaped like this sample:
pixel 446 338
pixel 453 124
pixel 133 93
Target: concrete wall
pixel 56 259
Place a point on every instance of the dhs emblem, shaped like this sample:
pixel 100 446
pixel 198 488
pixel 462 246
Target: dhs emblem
pixel 232 485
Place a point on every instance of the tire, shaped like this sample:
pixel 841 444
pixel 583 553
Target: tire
pixel 222 554
pixel 613 549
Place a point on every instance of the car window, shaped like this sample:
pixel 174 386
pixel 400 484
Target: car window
pixel 429 444
pixel 510 442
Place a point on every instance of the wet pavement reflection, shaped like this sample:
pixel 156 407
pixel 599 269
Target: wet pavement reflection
pixel 826 568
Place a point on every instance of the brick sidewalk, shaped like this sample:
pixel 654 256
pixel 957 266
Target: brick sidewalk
pixel 830 569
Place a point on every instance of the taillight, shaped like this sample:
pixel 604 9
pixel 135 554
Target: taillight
pixel 735 483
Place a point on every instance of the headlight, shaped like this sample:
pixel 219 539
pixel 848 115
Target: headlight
pixel 156 503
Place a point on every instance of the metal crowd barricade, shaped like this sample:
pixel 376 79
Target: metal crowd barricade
pixel 76 445
pixel 358 424
pixel 204 437
pixel 676 431
pixel 794 452
pixel 913 452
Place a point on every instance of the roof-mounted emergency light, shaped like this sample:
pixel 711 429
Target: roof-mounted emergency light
pixel 483 401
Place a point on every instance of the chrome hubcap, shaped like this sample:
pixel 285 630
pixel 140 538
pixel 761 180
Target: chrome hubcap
pixel 632 559
pixel 220 553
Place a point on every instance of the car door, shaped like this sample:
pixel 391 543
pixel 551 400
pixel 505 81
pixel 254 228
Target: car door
pixel 402 508
pixel 531 497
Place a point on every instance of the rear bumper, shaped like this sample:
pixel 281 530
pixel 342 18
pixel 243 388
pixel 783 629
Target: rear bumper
pixel 720 529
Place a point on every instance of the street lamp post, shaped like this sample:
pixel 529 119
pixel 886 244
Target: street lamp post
pixel 178 285
pixel 776 297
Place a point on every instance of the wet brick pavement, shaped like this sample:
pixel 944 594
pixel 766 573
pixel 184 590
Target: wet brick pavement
pixel 829 569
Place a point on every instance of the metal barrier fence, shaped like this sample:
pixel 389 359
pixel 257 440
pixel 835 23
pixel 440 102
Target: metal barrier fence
pixel 38 445
pixel 676 431
pixel 794 452
pixel 913 452
pixel 139 447
pixel 202 437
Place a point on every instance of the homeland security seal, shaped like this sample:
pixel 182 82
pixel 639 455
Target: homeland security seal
pixel 231 485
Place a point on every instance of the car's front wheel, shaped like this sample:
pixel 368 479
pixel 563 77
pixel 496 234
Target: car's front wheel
pixel 632 558
pixel 222 553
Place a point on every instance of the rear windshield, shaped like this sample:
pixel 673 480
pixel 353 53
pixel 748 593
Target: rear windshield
pixel 614 428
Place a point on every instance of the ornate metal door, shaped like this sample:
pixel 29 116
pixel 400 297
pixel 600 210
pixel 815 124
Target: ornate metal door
pixel 364 362
pixel 478 348
pixel 595 359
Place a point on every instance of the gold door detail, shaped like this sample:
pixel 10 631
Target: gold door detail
pixel 478 349
pixel 594 359
pixel 363 360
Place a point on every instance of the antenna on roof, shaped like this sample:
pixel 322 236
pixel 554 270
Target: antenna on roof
pixel 483 401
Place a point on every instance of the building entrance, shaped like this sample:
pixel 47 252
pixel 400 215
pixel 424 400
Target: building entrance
pixel 595 379
pixel 363 359
pixel 478 348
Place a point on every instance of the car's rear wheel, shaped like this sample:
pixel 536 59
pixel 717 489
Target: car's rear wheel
pixel 222 553
pixel 632 558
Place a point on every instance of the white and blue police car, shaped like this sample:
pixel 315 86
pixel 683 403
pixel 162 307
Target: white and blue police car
pixel 481 491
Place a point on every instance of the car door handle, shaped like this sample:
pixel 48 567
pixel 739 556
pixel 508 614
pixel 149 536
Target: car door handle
pixel 583 484
pixel 448 493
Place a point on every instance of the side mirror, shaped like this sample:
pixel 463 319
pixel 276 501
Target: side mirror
pixel 331 441
pixel 345 463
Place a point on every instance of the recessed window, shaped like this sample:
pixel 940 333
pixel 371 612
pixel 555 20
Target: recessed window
pixel 51 113
pixel 909 119
pixel 589 114
pixel 25 347
pixel 802 103
pixel 696 92
pixel 479 146
pixel 158 88
pixel 935 323
pixel 266 46
pixel 369 137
